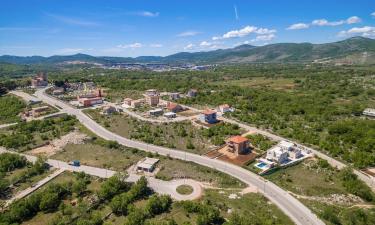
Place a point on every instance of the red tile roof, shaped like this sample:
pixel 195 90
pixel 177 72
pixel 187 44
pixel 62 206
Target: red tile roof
pixel 224 106
pixel 208 112
pixel 237 139
pixel 171 105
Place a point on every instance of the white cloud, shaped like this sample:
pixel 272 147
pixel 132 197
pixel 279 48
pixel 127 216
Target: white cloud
pixel 145 13
pixel 189 46
pixel 244 32
pixel 267 37
pixel 324 22
pixel 298 26
pixel 205 44
pixel 188 33
pixel 134 45
pixel 353 19
pixel 373 14
pixel 365 31
pixel 156 45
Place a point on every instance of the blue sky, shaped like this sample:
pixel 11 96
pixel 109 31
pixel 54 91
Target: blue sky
pixel 163 27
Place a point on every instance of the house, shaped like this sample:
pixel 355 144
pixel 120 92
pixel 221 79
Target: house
pixel 174 96
pixel 286 145
pixel 369 112
pixel 152 100
pixel 225 108
pixel 238 145
pixel 147 165
pixel 87 102
pixel 170 115
pixel 107 110
pixel 40 80
pixel 156 112
pixel 173 107
pixel 136 103
pixel 192 93
pixel 128 101
pixel 152 92
pixel 293 151
pixel 58 91
pixel 208 116
pixel 89 86
pixel 277 154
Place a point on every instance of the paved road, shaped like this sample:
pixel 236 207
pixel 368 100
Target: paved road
pixel 27 97
pixel 35 187
pixel 159 186
pixel 298 212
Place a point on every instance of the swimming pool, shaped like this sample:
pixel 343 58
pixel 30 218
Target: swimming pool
pixel 261 165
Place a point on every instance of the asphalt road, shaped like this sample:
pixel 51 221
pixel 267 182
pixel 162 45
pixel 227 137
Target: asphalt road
pixel 159 186
pixel 298 212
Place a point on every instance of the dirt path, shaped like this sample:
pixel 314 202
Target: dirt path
pixel 334 199
pixel 57 145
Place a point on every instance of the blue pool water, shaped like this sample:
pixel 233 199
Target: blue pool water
pixel 261 165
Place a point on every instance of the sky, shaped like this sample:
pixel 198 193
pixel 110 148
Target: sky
pixel 132 28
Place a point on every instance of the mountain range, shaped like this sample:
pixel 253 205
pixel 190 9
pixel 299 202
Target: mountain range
pixel 356 50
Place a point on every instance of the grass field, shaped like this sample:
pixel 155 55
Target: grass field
pixel 175 135
pixel 118 96
pixel 99 156
pixel 307 178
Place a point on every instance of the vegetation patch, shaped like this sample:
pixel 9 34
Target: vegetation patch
pixel 184 189
pixel 11 107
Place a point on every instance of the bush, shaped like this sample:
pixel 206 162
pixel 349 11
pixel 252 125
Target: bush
pixel 355 186
pixel 10 162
